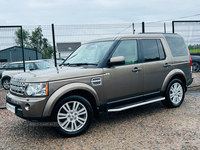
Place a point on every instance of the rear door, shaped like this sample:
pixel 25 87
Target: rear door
pixel 157 64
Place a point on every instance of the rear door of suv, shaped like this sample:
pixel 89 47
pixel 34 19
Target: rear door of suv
pixel 156 63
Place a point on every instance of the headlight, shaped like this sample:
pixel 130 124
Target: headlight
pixel 37 89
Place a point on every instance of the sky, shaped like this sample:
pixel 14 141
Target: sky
pixel 74 12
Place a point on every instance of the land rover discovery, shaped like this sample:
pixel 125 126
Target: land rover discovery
pixel 110 75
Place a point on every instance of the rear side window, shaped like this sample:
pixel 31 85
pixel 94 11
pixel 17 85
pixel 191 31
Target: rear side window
pixel 13 66
pixel 152 49
pixel 177 45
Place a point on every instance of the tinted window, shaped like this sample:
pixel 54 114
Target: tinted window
pixel 161 50
pixel 150 50
pixel 128 49
pixel 177 45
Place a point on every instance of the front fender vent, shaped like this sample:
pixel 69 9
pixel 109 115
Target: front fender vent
pixel 96 81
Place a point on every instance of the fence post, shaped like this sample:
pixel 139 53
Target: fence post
pixel 172 26
pixel 133 28
pixel 143 27
pixel 22 49
pixel 165 28
pixel 54 45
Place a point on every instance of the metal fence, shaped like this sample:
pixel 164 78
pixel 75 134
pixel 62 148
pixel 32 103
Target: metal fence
pixel 190 30
pixel 8 43
pixel 34 35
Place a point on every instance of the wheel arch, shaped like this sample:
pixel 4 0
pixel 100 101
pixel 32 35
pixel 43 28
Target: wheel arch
pixel 79 89
pixel 5 77
pixel 174 74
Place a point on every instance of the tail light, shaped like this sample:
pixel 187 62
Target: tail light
pixel 191 63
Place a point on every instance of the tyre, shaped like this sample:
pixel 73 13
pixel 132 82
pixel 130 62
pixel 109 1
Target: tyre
pixel 175 94
pixel 74 116
pixel 195 67
pixel 6 84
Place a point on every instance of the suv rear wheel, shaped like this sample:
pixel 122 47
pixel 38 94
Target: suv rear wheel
pixel 175 94
pixel 195 67
pixel 73 115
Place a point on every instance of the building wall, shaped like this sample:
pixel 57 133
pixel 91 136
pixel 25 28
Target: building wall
pixel 65 49
pixel 13 54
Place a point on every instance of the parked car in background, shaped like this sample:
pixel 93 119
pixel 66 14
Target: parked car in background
pixel 195 63
pixel 52 62
pixel 3 67
pixel 10 69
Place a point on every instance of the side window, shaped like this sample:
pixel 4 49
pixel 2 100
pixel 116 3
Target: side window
pixel 150 50
pixel 21 66
pixel 153 50
pixel 177 45
pixel 128 49
pixel 13 66
pixel 161 50
pixel 29 66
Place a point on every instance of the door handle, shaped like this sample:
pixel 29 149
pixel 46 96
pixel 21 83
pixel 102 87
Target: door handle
pixel 167 65
pixel 136 69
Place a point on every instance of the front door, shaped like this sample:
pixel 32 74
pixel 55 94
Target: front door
pixel 124 82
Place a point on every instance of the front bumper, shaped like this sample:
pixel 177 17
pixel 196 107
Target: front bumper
pixel 36 107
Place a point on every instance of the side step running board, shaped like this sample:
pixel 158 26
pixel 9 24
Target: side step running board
pixel 121 108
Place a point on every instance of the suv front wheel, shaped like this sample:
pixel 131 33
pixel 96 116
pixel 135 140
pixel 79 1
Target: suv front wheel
pixel 175 94
pixel 73 115
pixel 6 84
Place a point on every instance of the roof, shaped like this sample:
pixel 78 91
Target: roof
pixel 140 35
pixel 26 61
pixel 18 47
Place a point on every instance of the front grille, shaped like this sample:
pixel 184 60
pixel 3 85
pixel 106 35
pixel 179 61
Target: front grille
pixel 17 87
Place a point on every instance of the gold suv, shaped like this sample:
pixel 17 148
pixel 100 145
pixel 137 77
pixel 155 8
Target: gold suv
pixel 104 75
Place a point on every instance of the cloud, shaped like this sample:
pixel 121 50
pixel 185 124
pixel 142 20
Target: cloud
pixel 93 11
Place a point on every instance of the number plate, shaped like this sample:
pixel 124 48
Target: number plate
pixel 10 107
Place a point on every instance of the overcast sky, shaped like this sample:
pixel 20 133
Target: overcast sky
pixel 66 12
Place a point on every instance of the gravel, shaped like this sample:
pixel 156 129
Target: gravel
pixel 151 126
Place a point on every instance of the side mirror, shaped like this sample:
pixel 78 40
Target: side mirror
pixel 114 61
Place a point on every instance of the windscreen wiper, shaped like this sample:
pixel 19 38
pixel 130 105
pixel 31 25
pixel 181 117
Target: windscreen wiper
pixel 80 64
pixel 64 64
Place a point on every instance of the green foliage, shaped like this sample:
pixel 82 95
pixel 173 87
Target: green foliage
pixel 35 41
pixel 195 46
pixel 18 38
pixel 194 50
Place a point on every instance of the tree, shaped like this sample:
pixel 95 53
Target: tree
pixel 47 49
pixel 35 41
pixel 25 35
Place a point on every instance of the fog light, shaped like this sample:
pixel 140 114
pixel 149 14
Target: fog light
pixel 27 107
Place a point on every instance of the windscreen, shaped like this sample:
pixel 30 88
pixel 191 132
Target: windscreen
pixel 90 53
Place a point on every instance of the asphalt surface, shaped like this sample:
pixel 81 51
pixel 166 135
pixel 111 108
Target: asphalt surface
pixel 151 126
